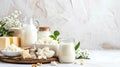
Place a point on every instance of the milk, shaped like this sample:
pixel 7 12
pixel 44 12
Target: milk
pixel 29 35
pixel 66 52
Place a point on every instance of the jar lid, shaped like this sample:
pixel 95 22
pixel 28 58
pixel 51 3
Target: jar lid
pixel 44 28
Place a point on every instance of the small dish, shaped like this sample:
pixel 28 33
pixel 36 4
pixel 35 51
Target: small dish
pixel 10 54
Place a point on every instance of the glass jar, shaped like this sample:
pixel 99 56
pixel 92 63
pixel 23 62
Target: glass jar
pixel 66 51
pixel 44 32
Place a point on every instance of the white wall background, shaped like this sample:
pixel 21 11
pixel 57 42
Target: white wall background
pixel 96 23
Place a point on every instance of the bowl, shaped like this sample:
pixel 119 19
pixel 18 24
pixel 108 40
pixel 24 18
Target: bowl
pixel 10 54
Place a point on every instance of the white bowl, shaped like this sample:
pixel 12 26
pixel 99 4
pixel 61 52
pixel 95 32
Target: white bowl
pixel 10 54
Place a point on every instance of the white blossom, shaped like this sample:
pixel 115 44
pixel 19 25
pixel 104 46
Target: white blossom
pixel 12 21
pixel 82 53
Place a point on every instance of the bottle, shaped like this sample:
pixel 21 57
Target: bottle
pixel 44 32
pixel 29 34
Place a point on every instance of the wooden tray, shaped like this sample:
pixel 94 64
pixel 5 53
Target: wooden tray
pixel 20 60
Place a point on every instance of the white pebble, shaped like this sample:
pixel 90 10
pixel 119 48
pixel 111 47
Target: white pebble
pixel 53 63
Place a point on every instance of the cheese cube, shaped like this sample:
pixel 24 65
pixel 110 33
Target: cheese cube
pixel 15 40
pixel 4 42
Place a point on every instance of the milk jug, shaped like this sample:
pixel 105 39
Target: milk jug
pixel 66 52
pixel 29 34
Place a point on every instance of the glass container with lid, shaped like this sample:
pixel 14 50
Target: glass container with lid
pixel 44 32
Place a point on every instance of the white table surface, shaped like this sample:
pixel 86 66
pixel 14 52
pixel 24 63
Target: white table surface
pixel 99 58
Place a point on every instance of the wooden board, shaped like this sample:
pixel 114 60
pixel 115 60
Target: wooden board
pixel 20 60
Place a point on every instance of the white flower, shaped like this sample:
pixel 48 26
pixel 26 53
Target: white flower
pixel 17 12
pixel 82 53
pixel 7 19
pixel 12 21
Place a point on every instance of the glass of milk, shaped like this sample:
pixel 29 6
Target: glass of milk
pixel 66 51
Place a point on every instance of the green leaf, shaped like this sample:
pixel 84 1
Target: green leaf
pixel 3 24
pixel 83 57
pixel 77 46
pixel 9 33
pixel 52 36
pixel 56 33
pixel 4 31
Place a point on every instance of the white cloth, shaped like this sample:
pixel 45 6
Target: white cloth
pixel 97 59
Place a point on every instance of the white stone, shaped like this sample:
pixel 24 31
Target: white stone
pixel 53 63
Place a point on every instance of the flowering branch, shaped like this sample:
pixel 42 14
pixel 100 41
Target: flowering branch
pixel 4 31
pixel 12 21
